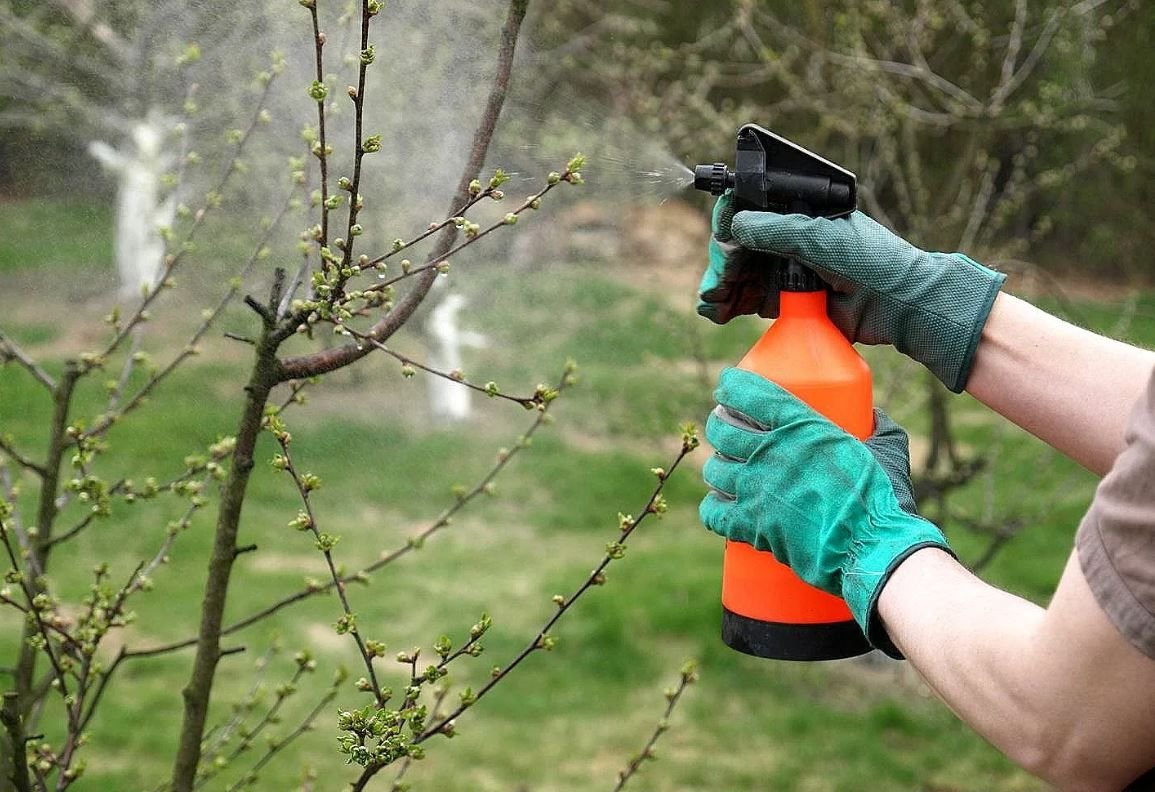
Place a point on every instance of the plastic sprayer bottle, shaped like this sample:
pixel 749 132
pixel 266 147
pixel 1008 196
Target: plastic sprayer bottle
pixel 767 611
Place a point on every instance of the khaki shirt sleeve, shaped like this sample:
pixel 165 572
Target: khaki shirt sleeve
pixel 1116 540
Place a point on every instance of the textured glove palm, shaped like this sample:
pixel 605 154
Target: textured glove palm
pixel 930 306
pixel 837 511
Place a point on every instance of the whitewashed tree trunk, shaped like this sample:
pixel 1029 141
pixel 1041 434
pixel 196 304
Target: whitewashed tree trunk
pixel 139 165
pixel 450 402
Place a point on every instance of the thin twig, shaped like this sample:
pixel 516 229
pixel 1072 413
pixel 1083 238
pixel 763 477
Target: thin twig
pixel 654 505
pixel 172 260
pixel 9 350
pixel 528 402
pixel 414 542
pixel 21 460
pixel 438 263
pixel 280 745
pixel 688 677
pixel 304 488
pixel 191 347
pixel 319 148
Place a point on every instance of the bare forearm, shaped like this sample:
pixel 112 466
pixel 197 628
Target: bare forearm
pixel 1054 689
pixel 940 617
pixel 1069 387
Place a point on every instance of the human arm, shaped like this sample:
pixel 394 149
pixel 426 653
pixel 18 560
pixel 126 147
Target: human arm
pixel 1058 690
pixel 1069 387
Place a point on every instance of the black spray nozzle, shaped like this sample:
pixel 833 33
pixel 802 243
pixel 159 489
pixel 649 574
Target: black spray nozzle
pixel 713 179
pixel 772 174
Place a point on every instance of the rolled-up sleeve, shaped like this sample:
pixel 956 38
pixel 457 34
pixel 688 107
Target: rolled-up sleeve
pixel 1116 539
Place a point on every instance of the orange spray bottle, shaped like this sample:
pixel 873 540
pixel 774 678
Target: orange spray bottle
pixel 767 611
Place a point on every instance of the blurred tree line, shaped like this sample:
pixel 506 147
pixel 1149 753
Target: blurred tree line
pixel 1068 155
pixel 1006 128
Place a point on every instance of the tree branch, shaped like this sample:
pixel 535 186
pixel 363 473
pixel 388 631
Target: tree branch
pixel 654 505
pixel 10 351
pixel 415 542
pixel 84 15
pixel 688 677
pixel 339 357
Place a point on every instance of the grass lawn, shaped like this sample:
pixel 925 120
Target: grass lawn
pixel 569 719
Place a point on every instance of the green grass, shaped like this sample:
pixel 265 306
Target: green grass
pixel 566 720
pixel 55 234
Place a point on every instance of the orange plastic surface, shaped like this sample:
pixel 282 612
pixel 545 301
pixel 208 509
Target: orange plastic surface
pixel 807 355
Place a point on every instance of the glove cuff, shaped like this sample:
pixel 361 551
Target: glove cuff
pixel 871 566
pixel 983 285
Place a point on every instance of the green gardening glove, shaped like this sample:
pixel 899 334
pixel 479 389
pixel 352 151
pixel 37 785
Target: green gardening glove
pixel 930 306
pixel 837 511
pixel 737 281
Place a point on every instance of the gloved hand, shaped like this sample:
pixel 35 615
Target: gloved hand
pixel 930 306
pixel 737 281
pixel 837 511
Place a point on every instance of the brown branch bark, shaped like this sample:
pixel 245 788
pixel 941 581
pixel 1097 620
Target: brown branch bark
pixel 14 727
pixel 338 357
pixel 45 519
pixel 199 689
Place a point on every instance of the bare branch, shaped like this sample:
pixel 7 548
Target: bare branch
pixel 654 505
pixel 1014 43
pixel 21 460
pixel 1042 43
pixel 192 346
pixel 84 14
pixel 10 351
pixel 688 677
pixel 415 542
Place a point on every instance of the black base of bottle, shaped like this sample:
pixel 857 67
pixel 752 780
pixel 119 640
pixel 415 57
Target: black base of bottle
pixel 781 641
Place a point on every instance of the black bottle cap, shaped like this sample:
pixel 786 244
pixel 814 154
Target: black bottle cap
pixel 795 277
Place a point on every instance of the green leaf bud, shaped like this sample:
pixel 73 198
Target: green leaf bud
pixel 499 178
